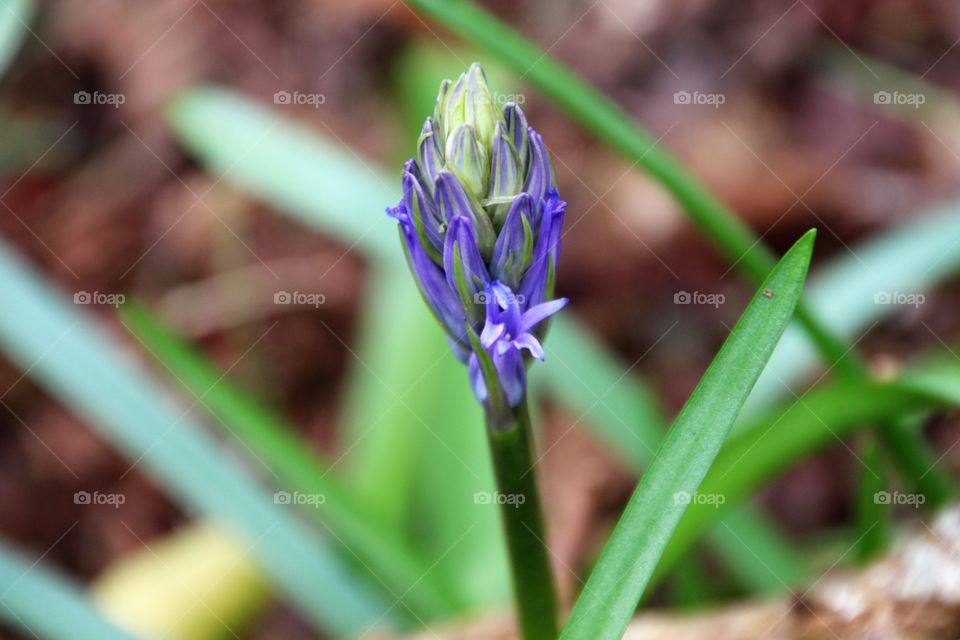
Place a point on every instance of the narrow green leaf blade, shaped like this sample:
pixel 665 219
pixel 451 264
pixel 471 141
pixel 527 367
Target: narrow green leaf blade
pixel 86 368
pixel 322 184
pixel 618 581
pixel 275 443
pixel 43 603
pixel 783 436
pixel 849 293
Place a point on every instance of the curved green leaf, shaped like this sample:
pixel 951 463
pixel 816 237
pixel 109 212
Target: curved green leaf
pixel 621 575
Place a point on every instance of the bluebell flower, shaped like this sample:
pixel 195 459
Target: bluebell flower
pixel 480 222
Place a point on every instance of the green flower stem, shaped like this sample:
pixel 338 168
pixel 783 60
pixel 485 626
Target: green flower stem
pixel 533 583
pixel 615 127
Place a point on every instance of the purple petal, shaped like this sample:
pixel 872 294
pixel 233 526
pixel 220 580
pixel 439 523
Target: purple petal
pixel 476 378
pixel 529 342
pixel 534 315
pixel 512 375
pixel 491 333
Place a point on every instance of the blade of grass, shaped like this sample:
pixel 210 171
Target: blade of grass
pixel 14 17
pixel 86 368
pixel 30 592
pixel 850 293
pixel 625 415
pixel 620 577
pixel 275 443
pixel 756 552
pixel 782 437
pixel 229 132
pixel 383 425
pixel 873 516
pixel 43 603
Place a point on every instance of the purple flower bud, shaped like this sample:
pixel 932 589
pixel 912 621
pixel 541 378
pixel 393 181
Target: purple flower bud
pixel 538 282
pixel 429 154
pixel 540 173
pixel 468 160
pixel 514 249
pixel 481 223
pixel 454 201
pixel 423 214
pixel 431 281
pixel 466 272
pixel 516 123
pixel 506 176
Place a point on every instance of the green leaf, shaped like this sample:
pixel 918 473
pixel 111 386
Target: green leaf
pixel 620 577
pixel 873 532
pixel 307 177
pixel 43 603
pixel 89 371
pixel 782 437
pixel 14 17
pixel 909 259
pixel 624 413
pixel 271 441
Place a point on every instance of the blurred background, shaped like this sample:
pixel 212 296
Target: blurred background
pixel 840 116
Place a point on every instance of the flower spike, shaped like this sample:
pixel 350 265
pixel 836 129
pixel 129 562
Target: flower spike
pixel 481 221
